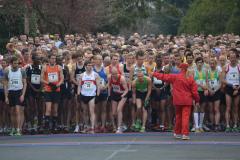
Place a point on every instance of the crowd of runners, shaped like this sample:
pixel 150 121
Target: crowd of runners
pixel 103 83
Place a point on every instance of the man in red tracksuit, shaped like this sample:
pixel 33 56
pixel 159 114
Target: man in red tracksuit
pixel 184 92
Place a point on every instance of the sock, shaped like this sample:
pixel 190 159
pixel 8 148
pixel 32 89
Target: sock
pixel 196 122
pixel 54 122
pixel 47 119
pixel 201 120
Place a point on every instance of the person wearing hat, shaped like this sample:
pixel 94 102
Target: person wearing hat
pixel 184 92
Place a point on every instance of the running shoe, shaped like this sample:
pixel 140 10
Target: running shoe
pixel 185 137
pixel 206 128
pixel 12 133
pixel 201 130
pixel 162 128
pixel 138 124
pixel 142 130
pixel 197 130
pixel 177 136
pixel 193 129
pixel 119 130
pixel 76 129
pixel 228 129
pixel 234 129
pixel 18 133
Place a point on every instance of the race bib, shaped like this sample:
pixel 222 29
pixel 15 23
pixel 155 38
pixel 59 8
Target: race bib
pixel 213 84
pixel 14 82
pixel 116 88
pixel 35 79
pixel 88 85
pixel 53 77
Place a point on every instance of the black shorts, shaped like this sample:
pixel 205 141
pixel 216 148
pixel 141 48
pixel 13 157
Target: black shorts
pixel 33 94
pixel 53 97
pixel 116 96
pixel 86 99
pixel 229 91
pixel 129 95
pixel 141 95
pixel 14 98
pixel 2 97
pixel 215 97
pixel 203 98
pixel 102 97
pixel 65 92
pixel 163 95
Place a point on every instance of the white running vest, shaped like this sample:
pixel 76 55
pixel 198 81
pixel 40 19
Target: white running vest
pixel 89 86
pixel 15 80
pixel 233 75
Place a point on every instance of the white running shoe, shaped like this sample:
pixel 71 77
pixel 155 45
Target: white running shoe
pixel 119 130
pixel 76 129
pixel 177 136
pixel 185 137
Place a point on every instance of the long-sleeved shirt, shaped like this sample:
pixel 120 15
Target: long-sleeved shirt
pixel 184 88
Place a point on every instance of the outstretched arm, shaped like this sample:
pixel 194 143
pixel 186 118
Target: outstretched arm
pixel 170 78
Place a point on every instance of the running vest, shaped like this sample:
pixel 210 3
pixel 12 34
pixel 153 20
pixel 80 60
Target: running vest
pixel 116 85
pixel 157 82
pixel 200 78
pixel 88 85
pixel 126 72
pixel 233 74
pixel 34 73
pixel 66 82
pixel 213 80
pixel 118 69
pixel 103 78
pixel 137 69
pixel 52 75
pixel 142 86
pixel 15 80
pixel 78 72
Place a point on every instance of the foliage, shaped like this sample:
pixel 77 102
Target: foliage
pixel 208 17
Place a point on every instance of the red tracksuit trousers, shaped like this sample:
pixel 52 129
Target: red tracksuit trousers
pixel 182 119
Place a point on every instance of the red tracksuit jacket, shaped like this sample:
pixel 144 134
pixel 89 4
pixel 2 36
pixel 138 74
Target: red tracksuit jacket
pixel 184 89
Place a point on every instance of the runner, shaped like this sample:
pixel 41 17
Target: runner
pixel 159 93
pixel 15 89
pixel 65 91
pixel 88 89
pixel 141 87
pixel 117 91
pixel 214 86
pixel 52 78
pixel 33 72
pixel 77 70
pixel 101 100
pixel 201 78
pixel 231 78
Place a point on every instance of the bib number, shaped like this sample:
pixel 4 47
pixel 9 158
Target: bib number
pixel 35 79
pixel 53 77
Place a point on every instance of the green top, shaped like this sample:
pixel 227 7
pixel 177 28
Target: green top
pixel 142 86
pixel 200 78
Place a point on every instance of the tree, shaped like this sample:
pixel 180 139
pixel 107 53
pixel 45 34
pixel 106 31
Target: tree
pixel 68 16
pixel 207 16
